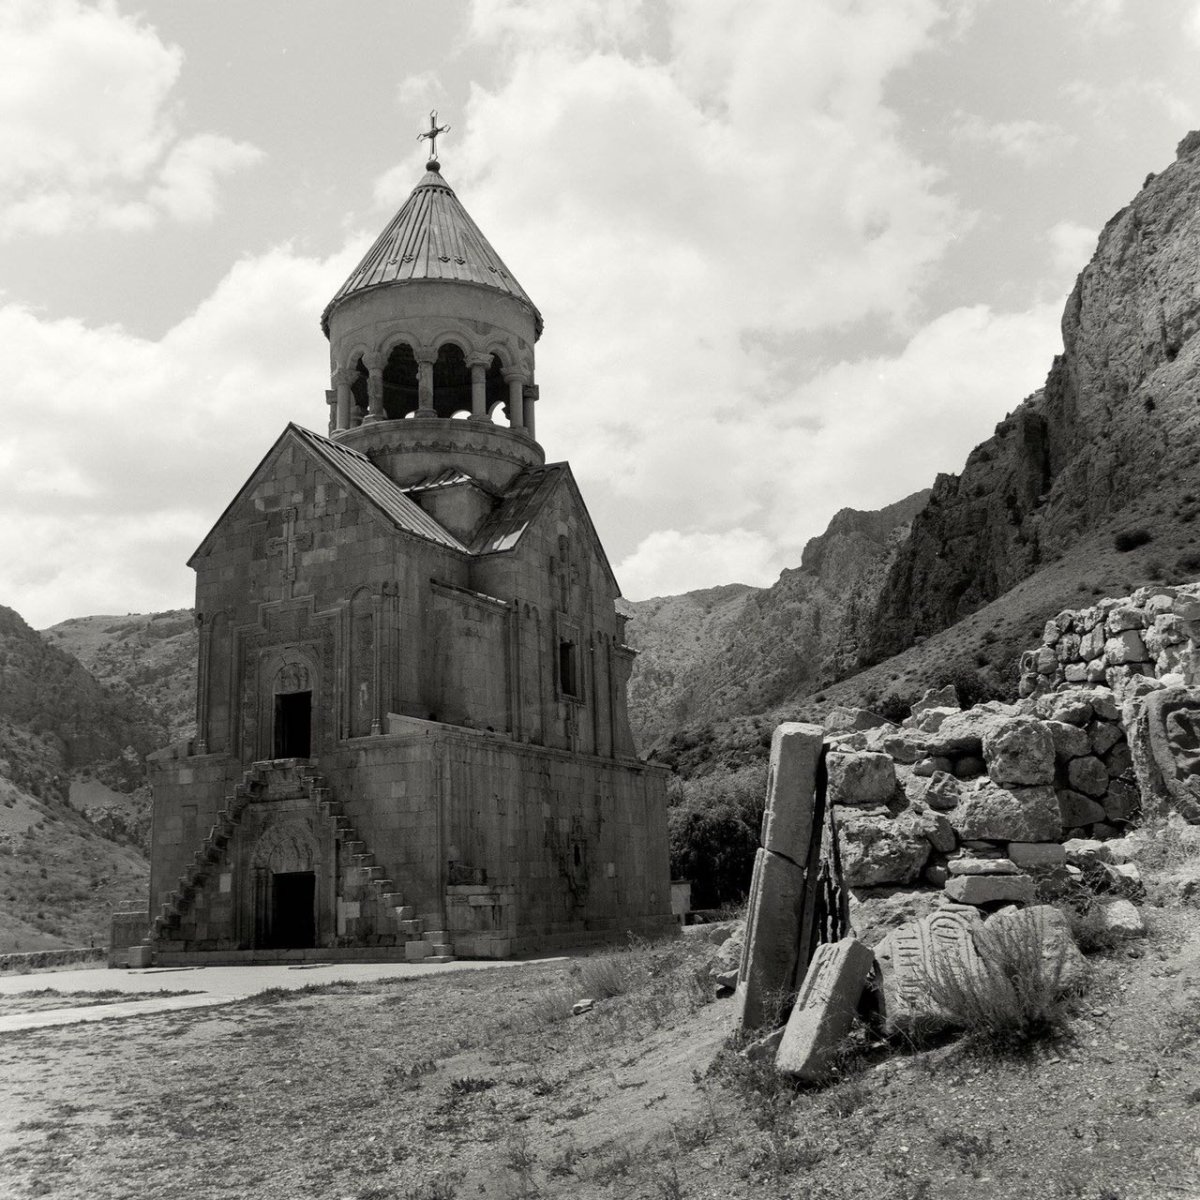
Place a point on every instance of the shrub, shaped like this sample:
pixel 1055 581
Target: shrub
pixel 1012 998
pixel 1188 562
pixel 1131 539
pixel 714 825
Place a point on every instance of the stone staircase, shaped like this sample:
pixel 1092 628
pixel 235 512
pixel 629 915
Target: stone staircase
pixel 420 945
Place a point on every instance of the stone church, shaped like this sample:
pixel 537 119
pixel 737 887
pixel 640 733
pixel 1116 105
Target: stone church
pixel 412 738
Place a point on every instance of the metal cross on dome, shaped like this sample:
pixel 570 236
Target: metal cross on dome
pixel 431 134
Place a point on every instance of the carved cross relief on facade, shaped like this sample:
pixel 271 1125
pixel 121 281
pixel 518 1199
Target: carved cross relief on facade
pixel 285 547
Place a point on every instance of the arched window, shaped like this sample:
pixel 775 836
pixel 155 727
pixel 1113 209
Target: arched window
pixel 359 399
pixel 400 383
pixel 451 381
pixel 497 389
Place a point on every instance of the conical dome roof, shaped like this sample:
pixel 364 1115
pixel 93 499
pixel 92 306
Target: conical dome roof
pixel 431 237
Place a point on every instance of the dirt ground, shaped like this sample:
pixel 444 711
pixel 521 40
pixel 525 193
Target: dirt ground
pixel 481 1085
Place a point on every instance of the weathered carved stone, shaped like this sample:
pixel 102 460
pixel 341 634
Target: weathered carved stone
pixel 1042 925
pixel 824 1009
pixel 767 973
pixel 1165 749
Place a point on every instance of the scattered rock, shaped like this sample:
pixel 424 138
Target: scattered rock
pixel 1122 917
pixel 582 1006
pixel 990 889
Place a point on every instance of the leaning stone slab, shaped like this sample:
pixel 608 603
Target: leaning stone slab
pixel 824 1009
pixel 909 957
pixel 990 889
pixel 787 824
pixel 767 973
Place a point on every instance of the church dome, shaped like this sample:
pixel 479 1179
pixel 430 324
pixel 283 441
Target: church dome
pixel 432 237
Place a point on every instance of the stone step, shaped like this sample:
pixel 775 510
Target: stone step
pixel 405 912
pixel 382 886
pixel 363 859
pixel 373 872
pixel 442 949
pixel 410 929
pixel 437 935
pixel 395 899
pixel 353 847
pixel 439 958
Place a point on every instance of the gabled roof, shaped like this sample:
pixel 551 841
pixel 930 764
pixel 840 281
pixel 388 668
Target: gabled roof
pixel 431 237
pixel 524 498
pixel 359 474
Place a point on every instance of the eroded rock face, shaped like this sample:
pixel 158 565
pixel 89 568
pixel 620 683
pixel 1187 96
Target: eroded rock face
pixel 1114 414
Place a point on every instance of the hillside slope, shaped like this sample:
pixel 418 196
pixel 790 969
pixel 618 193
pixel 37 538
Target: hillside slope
pixel 711 653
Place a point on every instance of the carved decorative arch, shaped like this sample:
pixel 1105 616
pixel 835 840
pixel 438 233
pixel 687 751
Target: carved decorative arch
pixel 285 847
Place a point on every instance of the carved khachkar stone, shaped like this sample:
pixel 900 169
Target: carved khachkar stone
pixel 781 917
pixel 921 951
pixel 824 1009
pixel 1165 746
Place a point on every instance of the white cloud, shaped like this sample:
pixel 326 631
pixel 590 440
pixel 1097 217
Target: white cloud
pixel 668 561
pixel 1029 142
pixel 137 444
pixel 87 137
pixel 1191 24
pixel 1071 248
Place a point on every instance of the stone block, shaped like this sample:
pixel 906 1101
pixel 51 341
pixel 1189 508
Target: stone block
pixel 1122 917
pixel 1122 802
pixel 943 793
pixel 769 955
pixel 1036 854
pixel 824 1008
pixel 140 957
pixel 861 779
pixel 787 824
pixel 1077 810
pixel 990 889
pixel 878 850
pixel 1104 735
pixel 969 865
pixel 1088 775
pixel 1019 814
pixel 1069 740
pixel 1020 751
pixel 1125 648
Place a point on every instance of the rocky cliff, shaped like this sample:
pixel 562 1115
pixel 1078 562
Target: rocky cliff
pixel 719 652
pixel 1118 418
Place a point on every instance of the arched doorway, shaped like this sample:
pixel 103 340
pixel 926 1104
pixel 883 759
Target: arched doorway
pixel 284 866
pixel 291 731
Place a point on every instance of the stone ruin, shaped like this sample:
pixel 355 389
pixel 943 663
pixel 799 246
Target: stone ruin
pixel 965 816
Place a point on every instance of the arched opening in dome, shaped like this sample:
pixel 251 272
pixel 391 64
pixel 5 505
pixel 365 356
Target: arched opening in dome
pixel 497 389
pixel 451 381
pixel 358 392
pixel 400 383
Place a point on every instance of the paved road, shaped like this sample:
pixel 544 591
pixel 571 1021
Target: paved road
pixel 212 985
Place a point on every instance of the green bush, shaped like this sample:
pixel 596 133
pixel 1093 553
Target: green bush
pixel 1131 539
pixel 714 823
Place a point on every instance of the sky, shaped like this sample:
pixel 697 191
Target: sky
pixel 793 256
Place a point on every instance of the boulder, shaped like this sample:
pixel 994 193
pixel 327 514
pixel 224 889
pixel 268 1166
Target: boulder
pixel 1072 706
pixel 930 766
pixel 990 889
pixel 1019 751
pixel 1125 617
pixel 860 779
pixel 1077 810
pixel 1125 649
pixel 880 850
pixel 904 746
pixel 1089 776
pixel 963 732
pixel 1020 814
pixel 1118 760
pixel 1104 735
pixel 1082 851
pixel 1121 917
pixel 935 828
pixel 1069 740
pixel 847 720
pixel 942 792
pixel 1015 935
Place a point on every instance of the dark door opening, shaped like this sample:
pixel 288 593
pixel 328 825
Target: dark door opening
pixel 293 725
pixel 293 911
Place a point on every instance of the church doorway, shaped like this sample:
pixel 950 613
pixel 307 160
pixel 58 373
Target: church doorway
pixel 293 725
pixel 293 924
